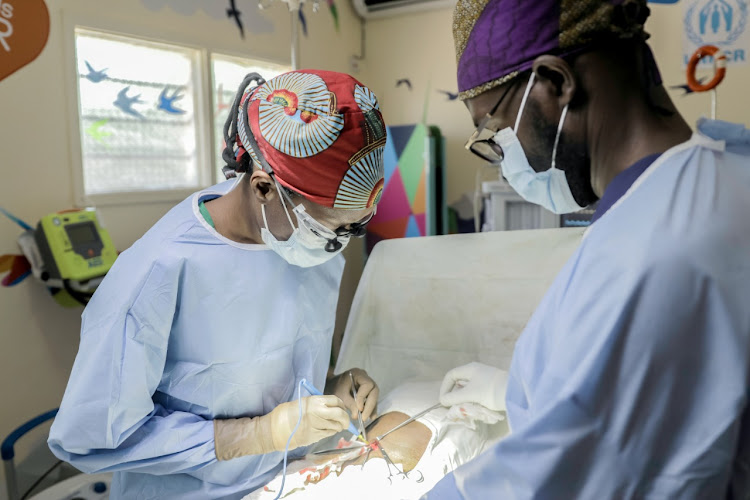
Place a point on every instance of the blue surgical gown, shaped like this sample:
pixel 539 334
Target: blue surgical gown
pixel 186 327
pixel 631 378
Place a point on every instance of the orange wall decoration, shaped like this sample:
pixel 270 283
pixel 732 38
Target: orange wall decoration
pixel 24 29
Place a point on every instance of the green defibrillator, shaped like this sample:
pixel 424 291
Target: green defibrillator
pixel 73 246
pixel 70 252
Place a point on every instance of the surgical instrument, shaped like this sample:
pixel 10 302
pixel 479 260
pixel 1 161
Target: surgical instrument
pixel 338 451
pixel 408 421
pixel 315 392
pixel 362 432
pixel 389 462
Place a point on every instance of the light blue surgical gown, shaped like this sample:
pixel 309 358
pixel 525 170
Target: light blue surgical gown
pixel 631 378
pixel 187 327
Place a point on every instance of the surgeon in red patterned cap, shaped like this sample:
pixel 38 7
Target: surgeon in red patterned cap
pixel 188 380
pixel 311 143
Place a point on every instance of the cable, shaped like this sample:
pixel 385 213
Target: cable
pixel 477 198
pixel 81 297
pixel 289 441
pixel 49 471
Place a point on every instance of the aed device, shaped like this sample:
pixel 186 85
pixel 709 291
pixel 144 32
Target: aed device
pixel 70 252
pixel 73 246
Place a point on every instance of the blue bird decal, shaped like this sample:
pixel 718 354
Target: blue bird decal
pixel 234 13
pixel 94 75
pixel 302 21
pixel 166 102
pixel 404 81
pixel 125 103
pixel 685 87
pixel 450 95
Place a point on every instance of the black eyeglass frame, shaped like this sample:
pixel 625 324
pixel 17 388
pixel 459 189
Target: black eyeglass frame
pixel 472 143
pixel 356 230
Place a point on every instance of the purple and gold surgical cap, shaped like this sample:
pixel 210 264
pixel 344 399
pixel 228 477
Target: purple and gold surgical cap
pixel 498 39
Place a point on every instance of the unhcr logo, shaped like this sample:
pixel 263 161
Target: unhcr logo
pixel 717 22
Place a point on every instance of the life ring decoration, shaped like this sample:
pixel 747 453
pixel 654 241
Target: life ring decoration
pixel 720 67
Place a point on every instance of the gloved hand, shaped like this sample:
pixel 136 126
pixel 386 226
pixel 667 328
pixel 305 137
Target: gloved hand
pixel 322 416
pixel 475 383
pixel 367 392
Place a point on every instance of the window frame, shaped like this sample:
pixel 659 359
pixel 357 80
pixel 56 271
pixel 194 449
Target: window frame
pixel 232 57
pixel 204 106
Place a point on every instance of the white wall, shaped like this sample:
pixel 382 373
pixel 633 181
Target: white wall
pixel 420 47
pixel 38 339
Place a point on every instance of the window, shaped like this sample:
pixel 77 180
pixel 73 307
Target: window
pixel 227 74
pixel 137 107
pixel 149 129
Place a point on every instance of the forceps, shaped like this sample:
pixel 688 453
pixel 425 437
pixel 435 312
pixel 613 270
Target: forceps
pixel 408 421
pixel 362 432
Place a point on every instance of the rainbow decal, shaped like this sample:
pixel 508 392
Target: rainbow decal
pixel 296 116
pixel 362 185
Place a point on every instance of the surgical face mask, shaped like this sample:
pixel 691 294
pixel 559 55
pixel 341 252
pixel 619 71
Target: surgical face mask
pixel 304 248
pixel 550 188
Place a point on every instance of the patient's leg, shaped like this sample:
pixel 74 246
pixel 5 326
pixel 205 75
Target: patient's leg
pixel 404 446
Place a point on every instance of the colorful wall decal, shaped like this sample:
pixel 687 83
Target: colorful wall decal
pixel 409 204
pixel 17 267
pixel 24 30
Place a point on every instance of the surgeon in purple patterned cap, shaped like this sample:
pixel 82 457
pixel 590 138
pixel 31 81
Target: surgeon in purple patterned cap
pixel 632 378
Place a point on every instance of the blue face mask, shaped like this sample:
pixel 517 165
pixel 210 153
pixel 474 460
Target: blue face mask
pixel 550 188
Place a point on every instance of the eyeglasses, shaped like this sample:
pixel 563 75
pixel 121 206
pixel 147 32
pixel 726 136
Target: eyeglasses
pixel 355 230
pixel 487 149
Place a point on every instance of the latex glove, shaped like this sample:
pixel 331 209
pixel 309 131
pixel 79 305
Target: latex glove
pixel 475 383
pixel 367 392
pixel 322 416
